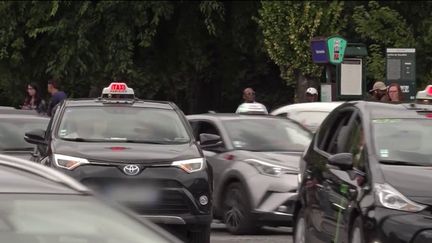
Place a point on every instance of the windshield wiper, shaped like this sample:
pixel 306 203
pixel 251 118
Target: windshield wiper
pixel 145 141
pixel 398 162
pixel 17 149
pixel 84 140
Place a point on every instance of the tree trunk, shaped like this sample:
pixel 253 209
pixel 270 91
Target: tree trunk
pixel 303 83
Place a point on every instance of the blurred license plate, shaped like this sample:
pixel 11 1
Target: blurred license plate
pixel 143 194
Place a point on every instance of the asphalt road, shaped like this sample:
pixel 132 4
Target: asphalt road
pixel 265 235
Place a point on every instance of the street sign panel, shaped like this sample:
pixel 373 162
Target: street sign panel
pixel 401 69
pixel 336 49
pixel 319 50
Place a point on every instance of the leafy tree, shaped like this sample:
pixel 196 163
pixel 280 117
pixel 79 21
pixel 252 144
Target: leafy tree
pixel 382 27
pixel 288 27
pixel 78 42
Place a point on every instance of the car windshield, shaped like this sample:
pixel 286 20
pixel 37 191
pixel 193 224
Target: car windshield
pixel 267 135
pixel 122 124
pixel 403 140
pixel 67 219
pixel 12 132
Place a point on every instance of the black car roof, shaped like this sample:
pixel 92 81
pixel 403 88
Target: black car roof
pixel 134 103
pixel 21 176
pixel 378 110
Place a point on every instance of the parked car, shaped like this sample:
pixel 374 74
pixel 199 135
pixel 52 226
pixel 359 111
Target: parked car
pixel 366 176
pixel 39 204
pixel 308 114
pixel 140 153
pixel 13 125
pixel 255 161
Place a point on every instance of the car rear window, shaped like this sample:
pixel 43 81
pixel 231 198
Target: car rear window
pixel 267 135
pixel 12 132
pixel 67 219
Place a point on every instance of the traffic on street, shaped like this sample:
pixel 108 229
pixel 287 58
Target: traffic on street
pixel 215 122
pixel 218 177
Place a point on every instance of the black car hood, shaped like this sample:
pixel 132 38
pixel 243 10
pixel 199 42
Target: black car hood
pixel 127 152
pixel 286 159
pixel 414 182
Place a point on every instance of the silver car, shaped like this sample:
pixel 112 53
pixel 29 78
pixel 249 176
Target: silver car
pixel 255 162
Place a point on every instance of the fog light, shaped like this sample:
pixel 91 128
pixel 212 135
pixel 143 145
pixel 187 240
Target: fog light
pixel 203 200
pixel 282 209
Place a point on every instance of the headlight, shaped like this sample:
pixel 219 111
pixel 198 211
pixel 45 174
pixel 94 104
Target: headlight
pixel 270 169
pixel 190 165
pixel 68 162
pixel 392 199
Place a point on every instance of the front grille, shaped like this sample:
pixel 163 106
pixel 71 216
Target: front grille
pixel 103 182
pixel 169 202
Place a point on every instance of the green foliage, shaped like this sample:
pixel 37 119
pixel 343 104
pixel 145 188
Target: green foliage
pixel 383 27
pixel 288 28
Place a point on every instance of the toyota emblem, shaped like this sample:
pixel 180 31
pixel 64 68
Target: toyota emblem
pixel 131 170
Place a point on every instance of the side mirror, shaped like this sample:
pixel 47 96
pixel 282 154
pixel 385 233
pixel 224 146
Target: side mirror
pixel 35 137
pixel 343 160
pixel 210 141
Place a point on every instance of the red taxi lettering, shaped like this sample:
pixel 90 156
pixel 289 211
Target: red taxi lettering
pixel 429 90
pixel 118 87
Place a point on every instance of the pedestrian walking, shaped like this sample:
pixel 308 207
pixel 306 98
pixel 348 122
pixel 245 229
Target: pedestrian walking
pixel 57 96
pixel 311 94
pixel 33 100
pixel 395 93
pixel 248 99
pixel 379 92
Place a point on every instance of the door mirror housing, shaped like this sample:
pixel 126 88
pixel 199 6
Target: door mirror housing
pixel 342 160
pixel 210 141
pixel 35 137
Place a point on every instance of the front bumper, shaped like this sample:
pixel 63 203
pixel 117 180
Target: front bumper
pixel 275 199
pixel 386 225
pixel 177 192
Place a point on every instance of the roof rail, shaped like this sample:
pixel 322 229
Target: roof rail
pixel 42 171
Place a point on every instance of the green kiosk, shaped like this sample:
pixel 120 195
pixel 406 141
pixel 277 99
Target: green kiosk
pixel 345 68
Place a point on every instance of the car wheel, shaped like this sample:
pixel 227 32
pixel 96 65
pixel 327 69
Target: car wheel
pixel 202 236
pixel 237 212
pixel 300 228
pixel 356 234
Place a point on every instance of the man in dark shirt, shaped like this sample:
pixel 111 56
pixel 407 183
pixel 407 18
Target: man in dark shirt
pixel 57 96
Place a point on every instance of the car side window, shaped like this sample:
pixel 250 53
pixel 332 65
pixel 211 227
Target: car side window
pixel 207 127
pixel 356 144
pixel 200 127
pixel 283 114
pixel 195 125
pixel 332 137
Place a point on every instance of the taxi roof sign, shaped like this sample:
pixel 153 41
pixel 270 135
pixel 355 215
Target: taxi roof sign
pixel 425 94
pixel 118 90
pixel 252 109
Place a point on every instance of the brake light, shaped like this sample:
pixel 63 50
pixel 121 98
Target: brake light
pixel 229 157
pixel 118 87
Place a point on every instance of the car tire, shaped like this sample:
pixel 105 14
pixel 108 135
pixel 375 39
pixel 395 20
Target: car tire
pixel 357 233
pixel 237 211
pixel 300 235
pixel 201 236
